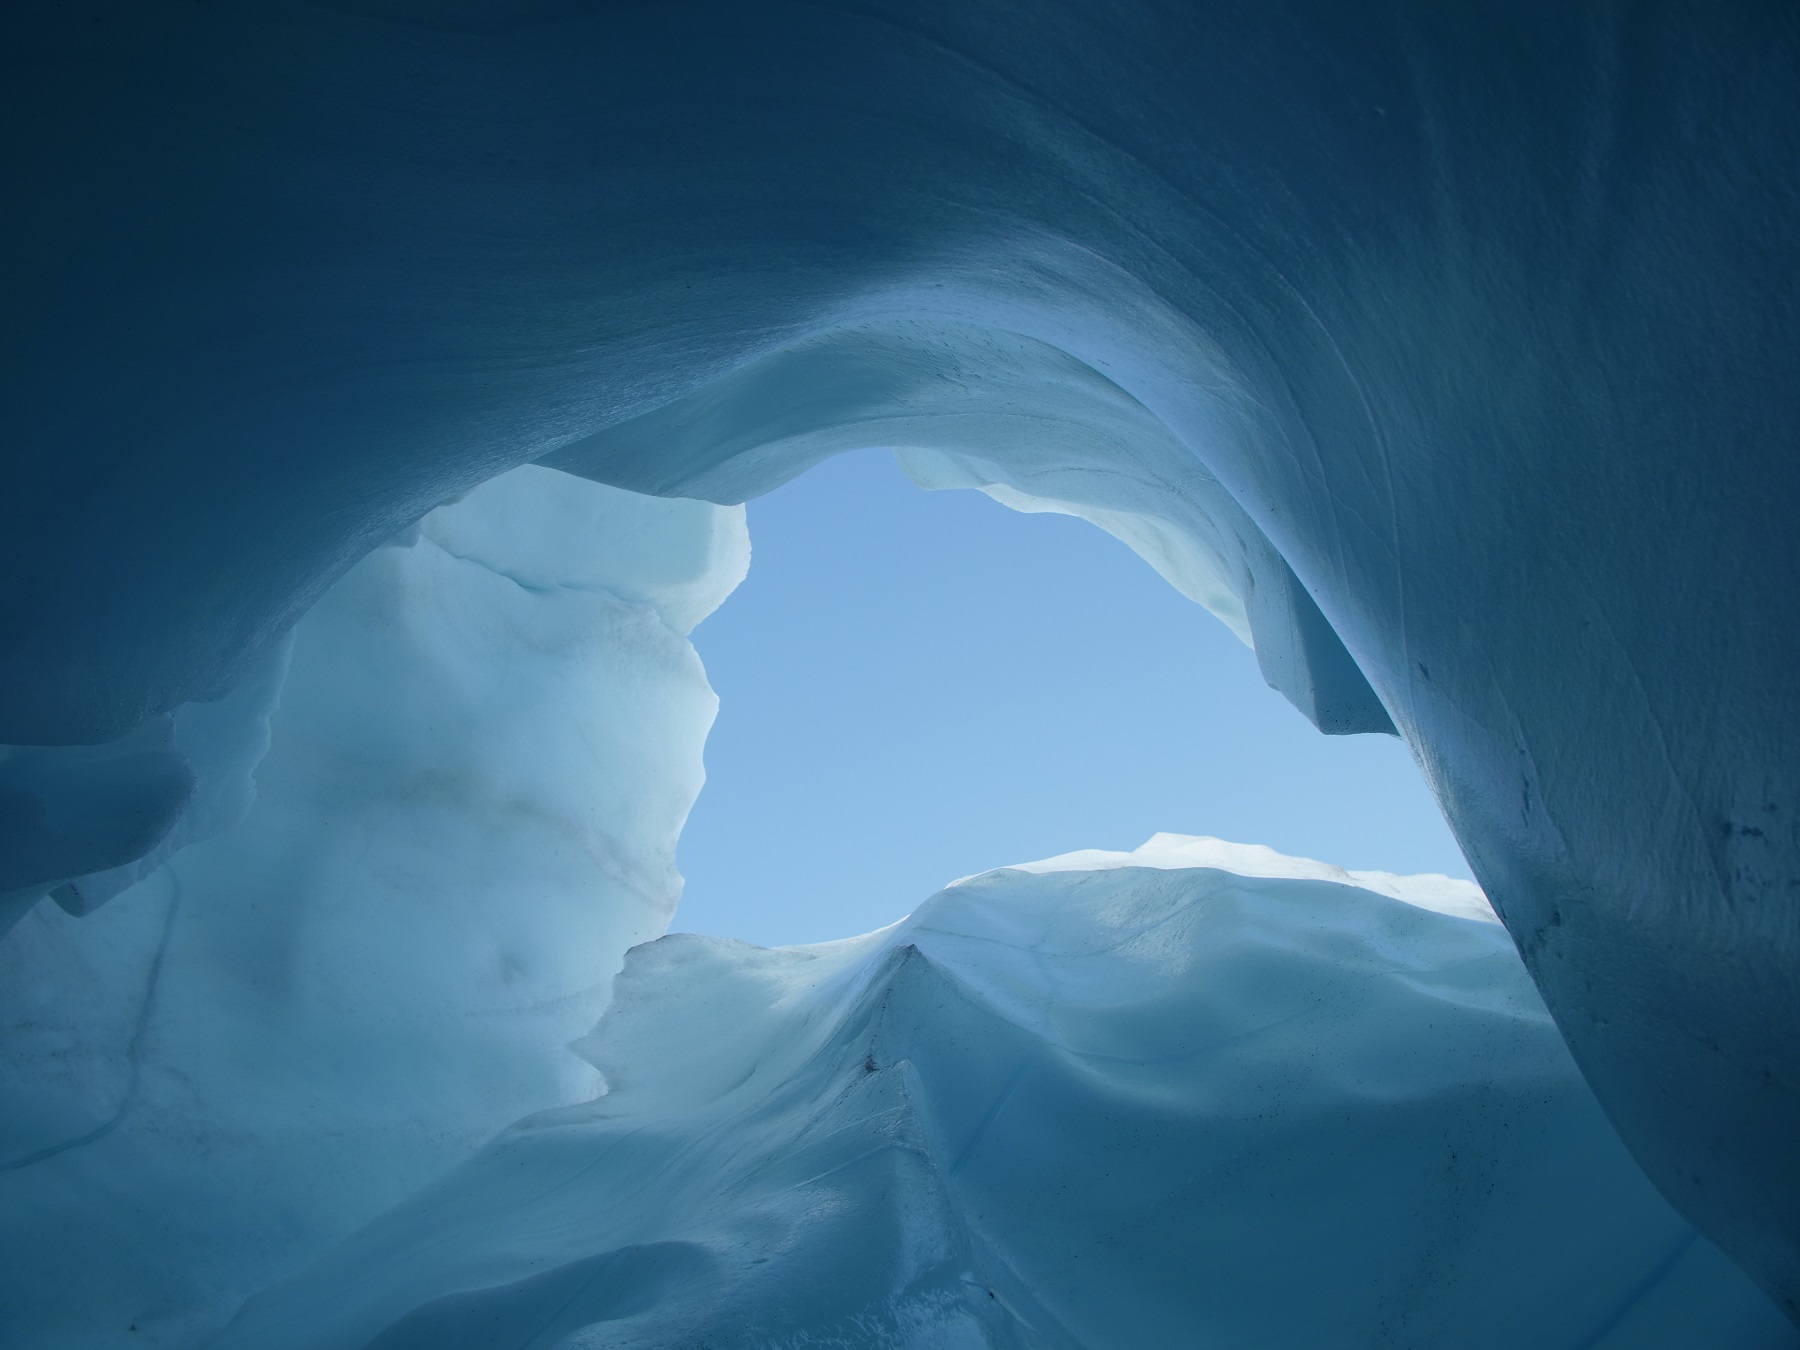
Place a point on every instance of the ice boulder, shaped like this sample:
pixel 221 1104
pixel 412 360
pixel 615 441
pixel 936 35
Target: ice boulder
pixel 1114 1102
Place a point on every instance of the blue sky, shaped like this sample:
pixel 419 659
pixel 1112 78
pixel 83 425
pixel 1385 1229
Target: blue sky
pixel 918 685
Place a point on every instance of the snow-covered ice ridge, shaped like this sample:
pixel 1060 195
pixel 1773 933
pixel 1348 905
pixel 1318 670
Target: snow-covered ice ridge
pixel 1431 890
pixel 1107 1105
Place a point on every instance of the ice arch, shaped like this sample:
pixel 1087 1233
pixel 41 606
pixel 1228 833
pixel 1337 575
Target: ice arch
pixel 354 1008
pixel 1484 317
pixel 1020 419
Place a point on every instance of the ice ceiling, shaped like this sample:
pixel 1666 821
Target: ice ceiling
pixel 1449 354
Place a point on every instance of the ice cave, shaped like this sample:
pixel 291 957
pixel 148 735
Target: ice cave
pixel 385 382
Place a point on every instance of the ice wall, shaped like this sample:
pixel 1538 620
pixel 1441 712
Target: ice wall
pixel 1139 1106
pixel 87 822
pixel 487 741
pixel 1484 316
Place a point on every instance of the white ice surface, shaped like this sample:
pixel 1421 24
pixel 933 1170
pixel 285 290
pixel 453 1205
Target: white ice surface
pixel 1434 891
pixel 1130 1107
pixel 1194 1093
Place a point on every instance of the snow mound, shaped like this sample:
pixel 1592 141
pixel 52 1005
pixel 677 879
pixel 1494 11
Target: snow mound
pixel 1432 890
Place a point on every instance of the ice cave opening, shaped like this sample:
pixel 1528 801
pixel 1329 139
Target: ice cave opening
pixel 1446 353
pixel 346 1065
pixel 915 686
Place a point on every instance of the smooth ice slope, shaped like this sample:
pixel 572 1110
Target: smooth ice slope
pixel 1483 315
pixel 486 744
pixel 1136 1107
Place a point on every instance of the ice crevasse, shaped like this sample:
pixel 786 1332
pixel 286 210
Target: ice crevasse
pixel 1448 354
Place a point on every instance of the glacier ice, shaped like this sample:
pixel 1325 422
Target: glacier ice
pixel 1481 319
pixel 1144 1105
pixel 487 740
pixel 1020 419
pixel 309 1081
pixel 133 802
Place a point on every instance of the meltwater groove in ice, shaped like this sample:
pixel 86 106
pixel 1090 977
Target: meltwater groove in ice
pixel 1162 1103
